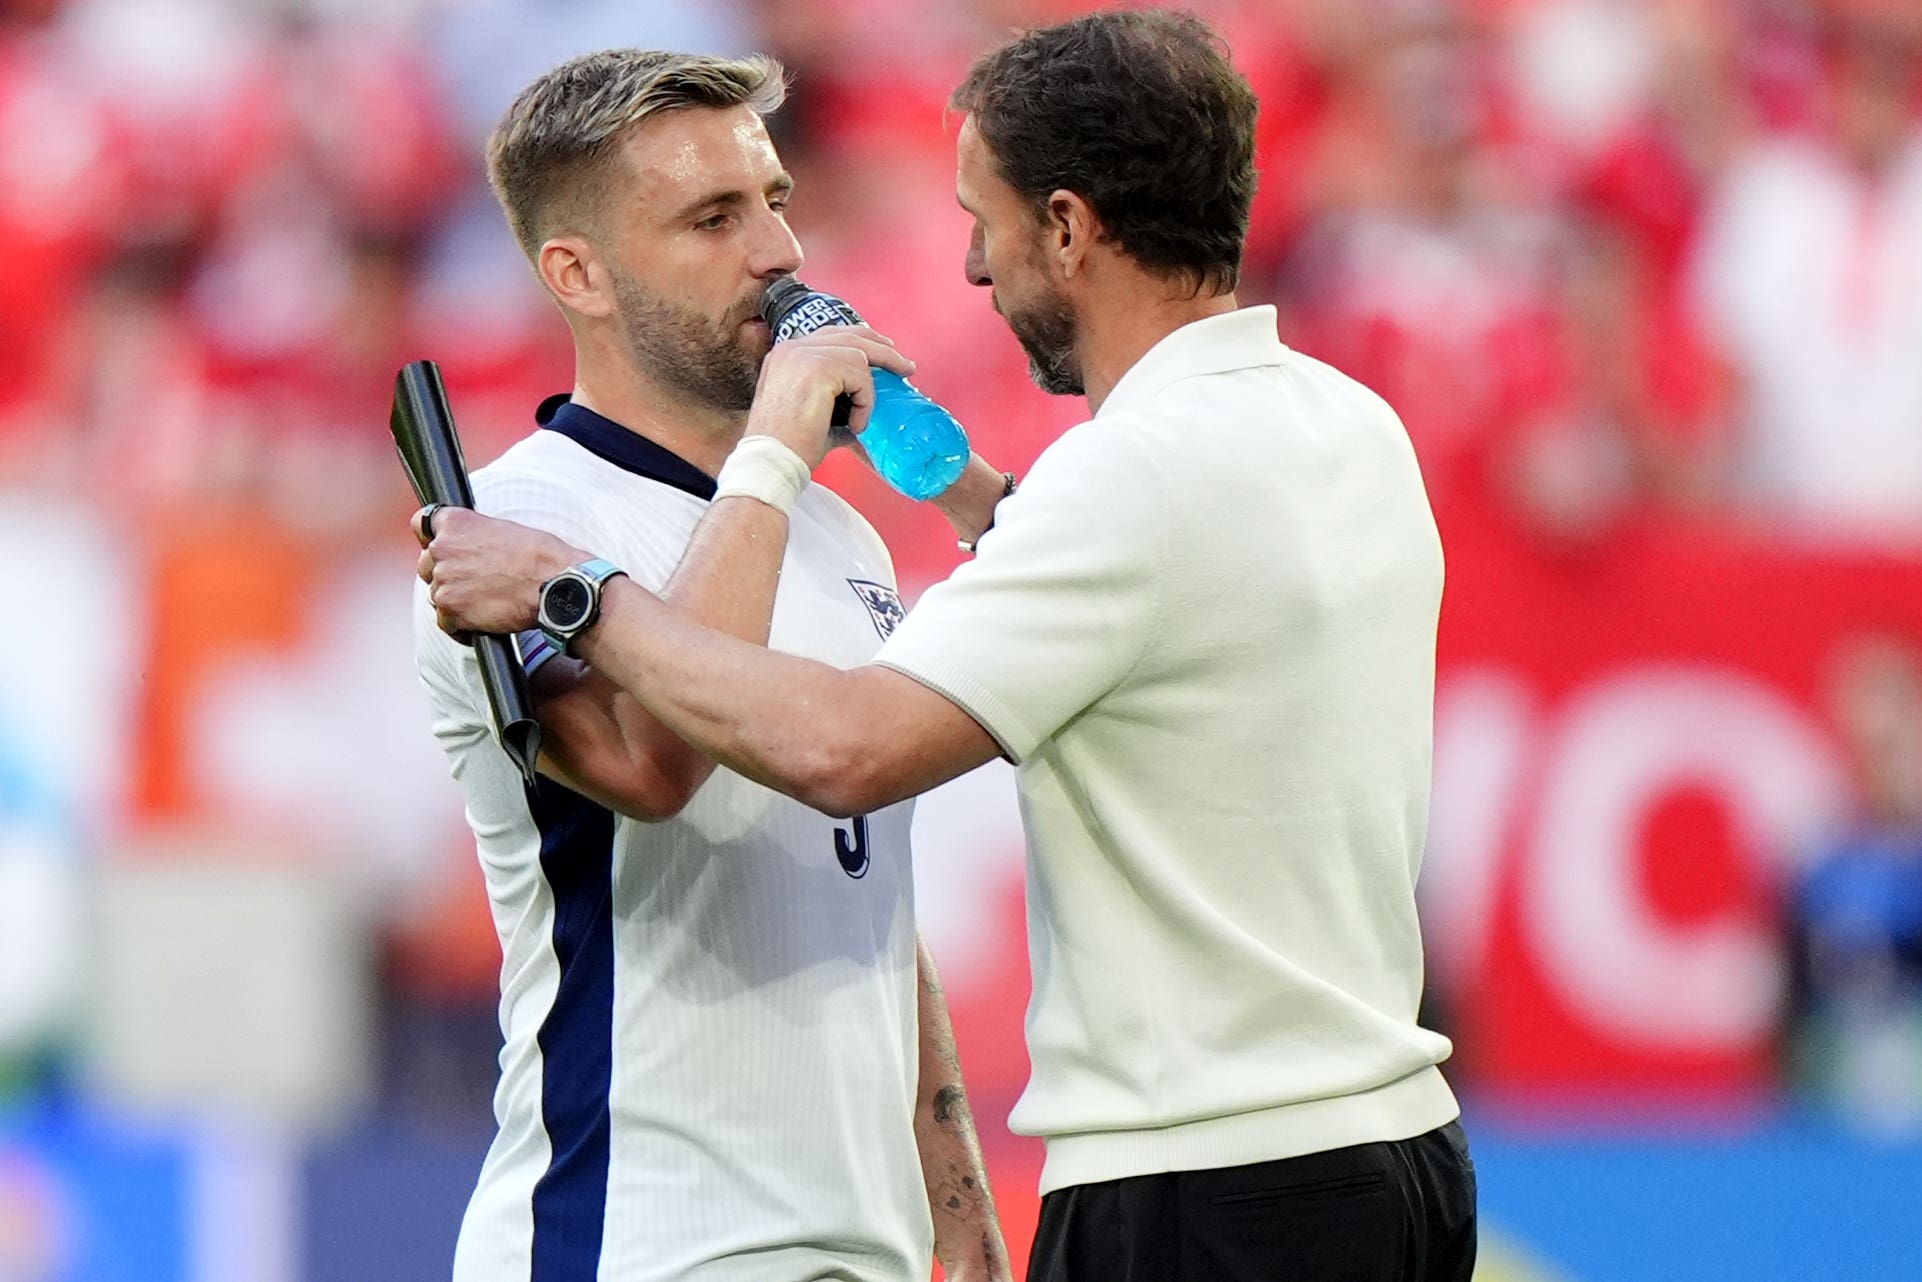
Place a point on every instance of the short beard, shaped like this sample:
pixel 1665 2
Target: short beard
pixel 1047 331
pixel 710 364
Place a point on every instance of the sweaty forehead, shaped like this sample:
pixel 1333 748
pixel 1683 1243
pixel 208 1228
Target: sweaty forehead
pixel 681 153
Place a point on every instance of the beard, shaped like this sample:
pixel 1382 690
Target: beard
pixel 710 363
pixel 1046 330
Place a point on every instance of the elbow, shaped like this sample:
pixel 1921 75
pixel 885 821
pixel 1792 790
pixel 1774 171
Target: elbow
pixel 661 808
pixel 627 768
pixel 840 779
pixel 651 805
pixel 649 794
pixel 832 796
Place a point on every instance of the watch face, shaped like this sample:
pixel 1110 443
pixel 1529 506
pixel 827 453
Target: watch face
pixel 566 603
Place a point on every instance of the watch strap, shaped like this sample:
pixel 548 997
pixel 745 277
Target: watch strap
pixel 597 570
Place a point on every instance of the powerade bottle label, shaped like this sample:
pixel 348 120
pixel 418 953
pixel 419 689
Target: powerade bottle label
pixel 814 311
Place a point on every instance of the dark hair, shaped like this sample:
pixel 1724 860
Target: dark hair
pixel 1139 113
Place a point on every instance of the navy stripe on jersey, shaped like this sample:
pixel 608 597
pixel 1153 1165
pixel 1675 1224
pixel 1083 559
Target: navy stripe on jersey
pixel 624 448
pixel 577 1037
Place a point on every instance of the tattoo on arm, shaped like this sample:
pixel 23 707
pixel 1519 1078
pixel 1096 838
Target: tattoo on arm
pixel 967 1237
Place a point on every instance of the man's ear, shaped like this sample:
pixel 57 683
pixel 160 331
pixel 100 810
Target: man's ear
pixel 1073 227
pixel 575 275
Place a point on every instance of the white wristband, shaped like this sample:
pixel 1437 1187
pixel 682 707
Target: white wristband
pixel 764 468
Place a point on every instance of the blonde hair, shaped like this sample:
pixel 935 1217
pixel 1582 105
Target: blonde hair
pixel 547 159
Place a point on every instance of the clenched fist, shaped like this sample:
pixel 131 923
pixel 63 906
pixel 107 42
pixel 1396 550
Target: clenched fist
pixel 800 379
pixel 484 574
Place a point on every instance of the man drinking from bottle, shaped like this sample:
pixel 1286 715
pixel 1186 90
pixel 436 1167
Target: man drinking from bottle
pixel 726 1055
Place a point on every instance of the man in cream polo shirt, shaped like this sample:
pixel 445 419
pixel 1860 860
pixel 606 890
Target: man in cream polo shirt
pixel 1204 631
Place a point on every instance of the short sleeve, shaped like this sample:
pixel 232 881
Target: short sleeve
pixel 1059 604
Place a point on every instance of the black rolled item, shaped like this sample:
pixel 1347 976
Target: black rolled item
pixel 423 428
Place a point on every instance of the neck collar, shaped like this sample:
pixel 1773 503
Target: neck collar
pixel 1241 339
pixel 623 447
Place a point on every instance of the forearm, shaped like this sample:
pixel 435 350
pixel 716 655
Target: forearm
pixel 727 577
pixel 785 722
pixel 603 742
pixel 970 502
pixel 726 580
pixel 967 1236
pixel 843 743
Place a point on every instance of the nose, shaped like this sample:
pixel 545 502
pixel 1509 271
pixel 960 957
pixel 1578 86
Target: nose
pixel 976 265
pixel 777 252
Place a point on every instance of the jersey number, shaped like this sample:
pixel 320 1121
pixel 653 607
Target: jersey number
pixel 853 854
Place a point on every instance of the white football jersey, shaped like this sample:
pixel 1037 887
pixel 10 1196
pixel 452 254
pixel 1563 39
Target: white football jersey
pixel 711 1051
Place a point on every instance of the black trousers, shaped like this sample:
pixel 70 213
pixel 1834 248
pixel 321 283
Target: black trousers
pixel 1395 1212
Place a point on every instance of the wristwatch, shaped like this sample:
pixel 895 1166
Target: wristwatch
pixel 571 601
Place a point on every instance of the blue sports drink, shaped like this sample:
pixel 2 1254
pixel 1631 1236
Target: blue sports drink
pixel 915 445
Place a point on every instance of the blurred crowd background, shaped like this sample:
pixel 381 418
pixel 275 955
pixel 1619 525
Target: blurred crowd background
pixel 1643 277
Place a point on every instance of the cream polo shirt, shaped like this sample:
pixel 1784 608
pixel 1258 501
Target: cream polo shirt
pixel 1204 630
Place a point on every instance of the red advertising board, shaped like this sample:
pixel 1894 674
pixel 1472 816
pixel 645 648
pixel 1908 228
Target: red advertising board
pixel 1634 757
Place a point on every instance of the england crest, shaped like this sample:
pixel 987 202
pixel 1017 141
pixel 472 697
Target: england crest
pixel 883 603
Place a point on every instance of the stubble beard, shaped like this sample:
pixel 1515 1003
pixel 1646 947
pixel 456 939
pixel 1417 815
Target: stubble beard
pixel 708 363
pixel 1047 330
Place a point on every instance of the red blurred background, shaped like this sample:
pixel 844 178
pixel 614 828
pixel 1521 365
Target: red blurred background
pixel 1644 280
